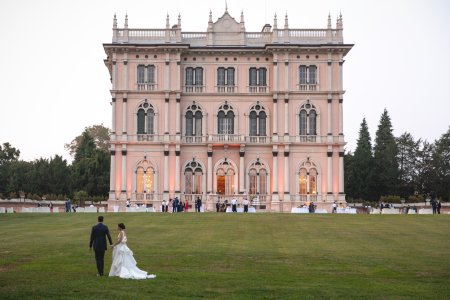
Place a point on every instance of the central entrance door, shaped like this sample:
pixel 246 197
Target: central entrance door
pixel 221 184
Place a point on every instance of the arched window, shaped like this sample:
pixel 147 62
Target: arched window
pixel 308 181
pixel 307 122
pixel 193 178
pixel 257 122
pixel 225 176
pixel 225 119
pixel 302 182
pixel 146 119
pixel 145 179
pixel 258 180
pixel 194 118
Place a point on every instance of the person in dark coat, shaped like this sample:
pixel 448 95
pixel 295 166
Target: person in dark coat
pixel 198 203
pixel 99 233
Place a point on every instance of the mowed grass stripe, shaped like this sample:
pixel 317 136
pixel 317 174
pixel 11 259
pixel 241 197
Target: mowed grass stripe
pixel 226 256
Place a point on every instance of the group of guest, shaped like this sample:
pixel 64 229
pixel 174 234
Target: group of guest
pixel 176 205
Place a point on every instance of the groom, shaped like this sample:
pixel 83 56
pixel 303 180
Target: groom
pixel 98 240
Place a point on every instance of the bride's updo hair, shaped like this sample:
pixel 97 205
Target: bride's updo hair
pixel 121 226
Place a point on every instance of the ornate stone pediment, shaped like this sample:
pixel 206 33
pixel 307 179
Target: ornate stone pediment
pixel 226 24
pixel 226 31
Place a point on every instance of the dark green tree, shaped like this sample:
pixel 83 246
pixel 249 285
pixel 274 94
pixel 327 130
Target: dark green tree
pixel 8 157
pixel 441 167
pixel 90 168
pixel 360 170
pixel 408 164
pixel 385 176
pixel 99 134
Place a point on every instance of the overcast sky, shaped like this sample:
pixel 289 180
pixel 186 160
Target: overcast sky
pixel 53 81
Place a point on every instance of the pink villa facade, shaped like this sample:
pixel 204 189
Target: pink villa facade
pixel 227 113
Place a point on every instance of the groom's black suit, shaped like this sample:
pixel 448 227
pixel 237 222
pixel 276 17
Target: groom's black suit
pixel 98 240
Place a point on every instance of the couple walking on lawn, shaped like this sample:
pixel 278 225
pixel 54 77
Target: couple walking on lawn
pixel 123 263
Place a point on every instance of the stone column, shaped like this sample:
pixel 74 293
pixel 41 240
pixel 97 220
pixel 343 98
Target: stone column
pixel 113 119
pixel 125 72
pixel 167 82
pixel 241 172
pixel 286 174
pixel 275 120
pixel 166 118
pixel 112 175
pixel 330 120
pixel 275 196
pixel 166 173
pixel 341 173
pixel 114 73
pixel 330 175
pixel 341 120
pixel 177 170
pixel 209 172
pixel 124 119
pixel 286 119
pixel 177 119
pixel 123 195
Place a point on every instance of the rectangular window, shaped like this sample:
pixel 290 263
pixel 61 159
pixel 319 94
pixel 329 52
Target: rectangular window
pixel 221 76
pixel 307 75
pixel 312 74
pixel 262 76
pixel 151 74
pixel 189 76
pixel 230 76
pixel 198 76
pixel 253 80
pixel 303 75
pixel 141 74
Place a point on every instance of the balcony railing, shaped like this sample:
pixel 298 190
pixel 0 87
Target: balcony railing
pixel 225 88
pixel 194 139
pixel 258 89
pixel 146 86
pixel 308 87
pixel 236 138
pixel 194 89
pixel 257 139
pixel 225 138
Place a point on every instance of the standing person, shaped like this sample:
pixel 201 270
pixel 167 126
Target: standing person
pixel 438 207
pixel 99 233
pixel 234 205
pixel 175 205
pixel 163 206
pixel 218 205
pixel 123 263
pixel 434 205
pixel 334 208
pixel 199 203
pixel 186 206
pixel 171 204
pixel 245 203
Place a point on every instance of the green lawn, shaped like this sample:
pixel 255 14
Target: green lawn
pixel 225 256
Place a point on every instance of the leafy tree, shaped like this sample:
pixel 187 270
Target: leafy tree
pixel 99 134
pixel 8 153
pixel 9 157
pixel 425 170
pixel 362 165
pixel 408 152
pixel 441 167
pixel 385 159
pixel 90 168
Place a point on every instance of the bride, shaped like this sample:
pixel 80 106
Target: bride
pixel 123 262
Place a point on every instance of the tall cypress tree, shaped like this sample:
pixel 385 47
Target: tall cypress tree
pixel 362 166
pixel 385 177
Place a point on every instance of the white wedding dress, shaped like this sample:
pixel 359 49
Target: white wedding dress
pixel 124 264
